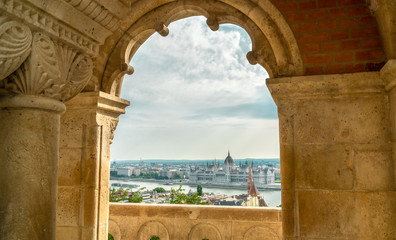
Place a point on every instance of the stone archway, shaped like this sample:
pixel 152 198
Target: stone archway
pixel 273 43
pixel 334 129
pixel 323 144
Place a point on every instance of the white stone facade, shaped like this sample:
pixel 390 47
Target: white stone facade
pixel 229 173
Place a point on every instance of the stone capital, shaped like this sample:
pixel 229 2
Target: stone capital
pixel 35 64
pixel 105 107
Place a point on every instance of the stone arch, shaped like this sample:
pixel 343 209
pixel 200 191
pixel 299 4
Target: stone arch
pixel 260 233
pixel 114 230
pixel 204 231
pixel 153 228
pixel 273 44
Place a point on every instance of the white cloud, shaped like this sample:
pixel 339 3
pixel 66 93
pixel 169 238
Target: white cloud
pixel 195 90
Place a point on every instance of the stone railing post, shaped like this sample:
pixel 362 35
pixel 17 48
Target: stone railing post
pixel 87 130
pixel 37 74
pixel 336 156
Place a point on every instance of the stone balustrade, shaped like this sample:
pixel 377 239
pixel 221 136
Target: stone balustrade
pixel 144 221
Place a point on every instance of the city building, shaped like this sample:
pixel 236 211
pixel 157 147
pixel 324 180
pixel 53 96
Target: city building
pixel 125 171
pixel 229 173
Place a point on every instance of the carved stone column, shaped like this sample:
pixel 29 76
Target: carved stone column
pixel 336 157
pixel 87 130
pixel 29 138
pixel 37 73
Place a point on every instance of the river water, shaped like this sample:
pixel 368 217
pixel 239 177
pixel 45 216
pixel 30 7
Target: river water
pixel 272 198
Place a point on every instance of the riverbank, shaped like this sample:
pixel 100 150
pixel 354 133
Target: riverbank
pixel 269 187
pixel 274 187
pixel 272 197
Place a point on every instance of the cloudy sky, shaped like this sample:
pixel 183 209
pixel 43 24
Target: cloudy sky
pixel 194 96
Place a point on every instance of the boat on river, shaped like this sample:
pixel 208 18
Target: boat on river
pixel 127 185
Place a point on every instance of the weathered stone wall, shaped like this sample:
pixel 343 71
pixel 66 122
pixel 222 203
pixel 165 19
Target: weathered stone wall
pixel 143 221
pixel 336 157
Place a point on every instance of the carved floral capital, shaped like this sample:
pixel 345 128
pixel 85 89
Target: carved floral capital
pixel 15 45
pixel 51 69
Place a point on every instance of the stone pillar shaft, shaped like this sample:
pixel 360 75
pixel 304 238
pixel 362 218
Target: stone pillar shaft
pixel 87 129
pixel 336 156
pixel 29 140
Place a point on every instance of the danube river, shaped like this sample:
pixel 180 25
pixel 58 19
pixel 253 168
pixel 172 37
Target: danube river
pixel 272 198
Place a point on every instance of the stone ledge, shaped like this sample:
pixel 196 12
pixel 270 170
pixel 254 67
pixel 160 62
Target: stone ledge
pixel 197 212
pixel 324 86
pixel 100 100
pixel 142 221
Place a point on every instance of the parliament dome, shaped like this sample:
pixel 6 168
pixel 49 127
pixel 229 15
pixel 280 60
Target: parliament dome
pixel 229 160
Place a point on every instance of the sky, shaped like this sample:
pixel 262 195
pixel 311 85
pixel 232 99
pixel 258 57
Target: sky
pixel 194 95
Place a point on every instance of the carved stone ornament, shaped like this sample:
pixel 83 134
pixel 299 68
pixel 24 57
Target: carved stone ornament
pixel 52 69
pixel 25 12
pixel 373 6
pixel 96 12
pixel 113 126
pixel 15 42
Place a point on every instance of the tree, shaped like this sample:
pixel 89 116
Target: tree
pixel 123 193
pixel 118 195
pixel 112 197
pixel 199 190
pixel 137 196
pixel 159 190
pixel 178 197
pixel 177 176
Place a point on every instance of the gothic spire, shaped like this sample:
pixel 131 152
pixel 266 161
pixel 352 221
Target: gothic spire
pixel 252 190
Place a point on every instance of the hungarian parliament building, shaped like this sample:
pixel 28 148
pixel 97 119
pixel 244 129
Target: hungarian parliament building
pixel 229 173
